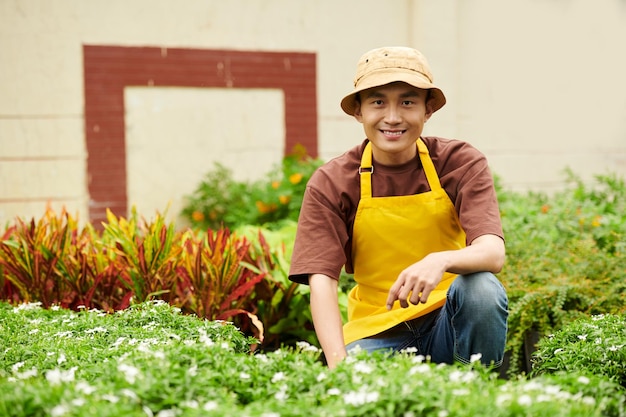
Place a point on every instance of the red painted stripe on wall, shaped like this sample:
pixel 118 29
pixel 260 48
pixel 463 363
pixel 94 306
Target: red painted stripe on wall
pixel 108 69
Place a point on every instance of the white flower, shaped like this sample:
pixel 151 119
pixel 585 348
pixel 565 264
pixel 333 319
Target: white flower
pixel 615 348
pixel 553 390
pixel 419 358
pixel 27 374
pixel 130 372
pixel 130 394
pixel 56 376
pixel 210 406
pixel 525 400
pixel 27 306
pixel 281 395
pixel 459 376
pixel 110 398
pixel 59 410
pixel 582 336
pixel 190 404
pixel 423 368
pixel 118 342
pixel 16 366
pixel 443 413
pixel 84 387
pixel 358 398
pixel 78 402
pixel 557 351
pixel 244 375
pixel 321 377
pixel 166 413
pixel 207 341
pixel 411 349
pixel 589 401
pixel 96 330
pixel 306 347
pixel 475 357
pixel 61 359
pixel 362 367
pixel 334 391
pixel 355 350
pixel 34 331
pixel 502 399
pixel 583 380
pixel 278 376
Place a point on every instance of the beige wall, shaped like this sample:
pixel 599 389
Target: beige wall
pixel 536 84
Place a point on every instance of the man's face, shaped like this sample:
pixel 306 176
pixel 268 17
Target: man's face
pixel 393 117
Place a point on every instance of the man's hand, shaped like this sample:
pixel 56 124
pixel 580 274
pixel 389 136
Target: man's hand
pixel 415 283
pixel 485 253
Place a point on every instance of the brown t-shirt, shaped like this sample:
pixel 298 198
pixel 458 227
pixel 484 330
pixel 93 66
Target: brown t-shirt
pixel 323 242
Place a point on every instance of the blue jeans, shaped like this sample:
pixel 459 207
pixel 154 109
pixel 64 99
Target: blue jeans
pixel 472 321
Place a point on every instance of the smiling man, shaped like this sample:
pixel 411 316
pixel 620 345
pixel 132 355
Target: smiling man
pixel 415 219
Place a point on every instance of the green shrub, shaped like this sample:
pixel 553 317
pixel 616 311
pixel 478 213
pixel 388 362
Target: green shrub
pixel 214 275
pixel 590 346
pixel 220 201
pixel 152 360
pixel 565 257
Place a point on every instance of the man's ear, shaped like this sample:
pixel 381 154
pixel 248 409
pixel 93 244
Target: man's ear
pixel 357 111
pixel 429 106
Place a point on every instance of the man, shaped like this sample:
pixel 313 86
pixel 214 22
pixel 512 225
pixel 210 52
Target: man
pixel 415 219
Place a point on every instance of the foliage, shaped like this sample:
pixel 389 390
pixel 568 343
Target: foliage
pixel 283 303
pixel 152 360
pixel 215 275
pixel 589 346
pixel 565 256
pixel 217 283
pixel 52 261
pixel 145 253
pixel 221 201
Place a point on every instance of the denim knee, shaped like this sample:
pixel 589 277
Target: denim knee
pixel 480 292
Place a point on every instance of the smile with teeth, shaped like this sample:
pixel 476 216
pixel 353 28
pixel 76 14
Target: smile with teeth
pixel 393 132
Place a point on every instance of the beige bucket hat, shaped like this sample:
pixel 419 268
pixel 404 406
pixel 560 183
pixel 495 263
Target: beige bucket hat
pixel 390 64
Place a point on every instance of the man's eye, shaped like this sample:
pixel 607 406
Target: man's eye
pixel 407 102
pixel 378 102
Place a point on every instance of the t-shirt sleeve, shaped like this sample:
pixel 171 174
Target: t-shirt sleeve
pixel 321 234
pixel 475 197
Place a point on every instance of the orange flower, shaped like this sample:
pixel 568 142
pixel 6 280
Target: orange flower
pixel 596 222
pixel 295 178
pixel 284 199
pixel 275 184
pixel 197 216
pixel 266 208
pixel 545 208
pixel 262 207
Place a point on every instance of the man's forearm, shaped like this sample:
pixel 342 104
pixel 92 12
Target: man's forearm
pixel 327 317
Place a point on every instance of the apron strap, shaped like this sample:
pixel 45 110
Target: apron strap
pixel 367 169
pixel 429 167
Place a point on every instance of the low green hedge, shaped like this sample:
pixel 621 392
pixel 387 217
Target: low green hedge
pixel 151 360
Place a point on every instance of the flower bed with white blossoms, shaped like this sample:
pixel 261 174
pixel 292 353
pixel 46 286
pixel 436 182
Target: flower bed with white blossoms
pixel 150 360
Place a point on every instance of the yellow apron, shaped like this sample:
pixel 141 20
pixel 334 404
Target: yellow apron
pixel 389 234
